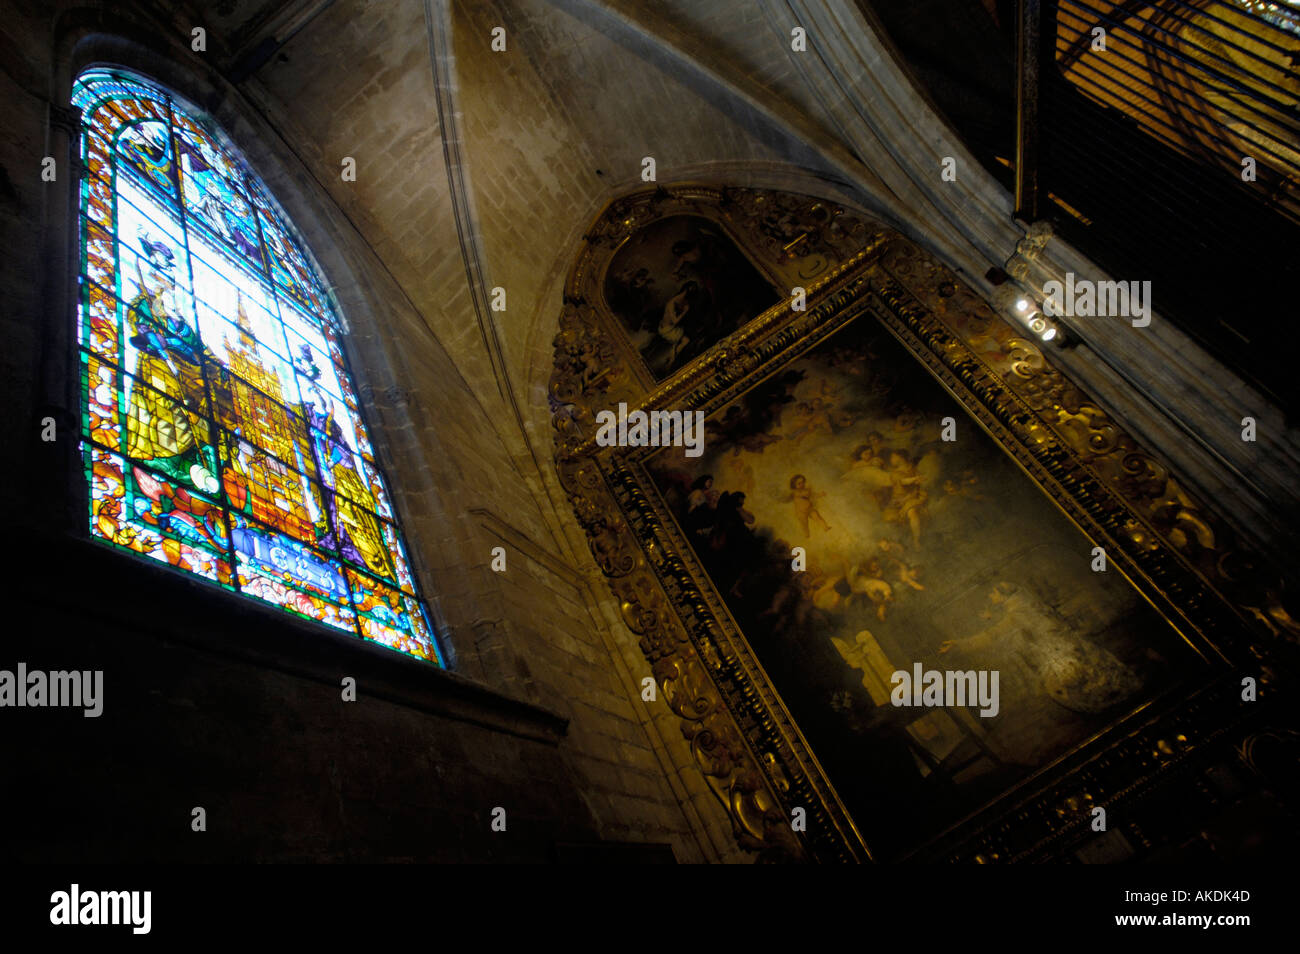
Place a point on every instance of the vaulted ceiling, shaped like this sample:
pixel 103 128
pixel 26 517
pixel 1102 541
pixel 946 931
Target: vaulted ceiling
pixel 479 168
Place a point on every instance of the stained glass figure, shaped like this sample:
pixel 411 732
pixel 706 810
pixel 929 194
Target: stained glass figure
pixel 220 431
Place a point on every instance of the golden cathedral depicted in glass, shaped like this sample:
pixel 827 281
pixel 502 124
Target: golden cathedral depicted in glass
pixel 221 434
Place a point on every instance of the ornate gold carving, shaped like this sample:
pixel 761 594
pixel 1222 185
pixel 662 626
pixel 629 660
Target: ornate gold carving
pixel 1164 520
pixel 1184 558
pixel 802 237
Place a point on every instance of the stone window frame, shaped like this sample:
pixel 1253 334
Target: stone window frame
pixel 233 626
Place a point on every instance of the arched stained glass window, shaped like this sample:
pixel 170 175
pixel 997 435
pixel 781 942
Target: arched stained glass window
pixel 220 429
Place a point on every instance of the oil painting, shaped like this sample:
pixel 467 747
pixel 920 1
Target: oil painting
pixel 857 523
pixel 679 286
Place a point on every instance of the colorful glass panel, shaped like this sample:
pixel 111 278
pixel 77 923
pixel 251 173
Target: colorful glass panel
pixel 220 431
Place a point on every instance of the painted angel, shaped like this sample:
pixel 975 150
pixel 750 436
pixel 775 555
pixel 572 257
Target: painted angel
pixel 897 482
pixel 805 503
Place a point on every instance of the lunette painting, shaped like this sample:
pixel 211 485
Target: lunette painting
pixel 680 285
pixel 918 550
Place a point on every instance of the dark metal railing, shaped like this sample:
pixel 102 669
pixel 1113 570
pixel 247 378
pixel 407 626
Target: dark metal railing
pixel 1136 152
pixel 1210 78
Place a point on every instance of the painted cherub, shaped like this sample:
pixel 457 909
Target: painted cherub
pixel 907 497
pixel 819 412
pixel 805 503
pixel 896 554
pixel 865 581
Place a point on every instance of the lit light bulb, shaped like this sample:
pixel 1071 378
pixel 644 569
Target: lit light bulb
pixel 1021 305
pixel 1049 334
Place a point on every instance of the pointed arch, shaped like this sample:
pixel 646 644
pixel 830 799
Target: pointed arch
pixel 221 430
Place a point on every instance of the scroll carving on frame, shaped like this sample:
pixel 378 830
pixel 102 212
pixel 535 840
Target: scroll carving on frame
pixel 889 478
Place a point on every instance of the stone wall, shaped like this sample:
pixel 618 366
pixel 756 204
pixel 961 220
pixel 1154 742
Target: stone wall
pixel 475 169
pixel 213 703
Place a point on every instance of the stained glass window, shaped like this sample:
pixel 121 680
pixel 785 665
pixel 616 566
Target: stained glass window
pixel 221 432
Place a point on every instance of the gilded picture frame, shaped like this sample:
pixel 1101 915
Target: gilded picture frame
pixel 1185 562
